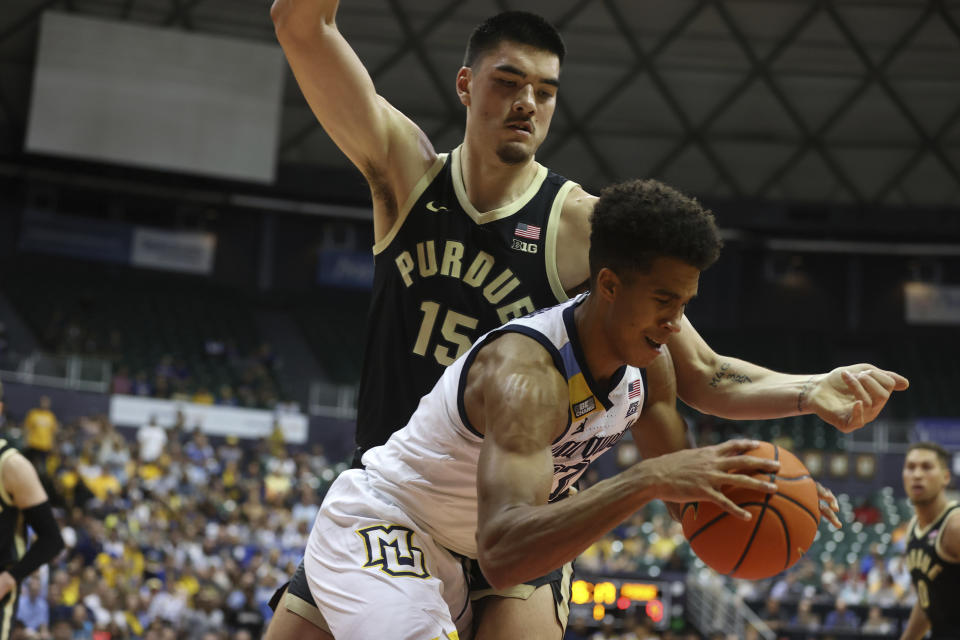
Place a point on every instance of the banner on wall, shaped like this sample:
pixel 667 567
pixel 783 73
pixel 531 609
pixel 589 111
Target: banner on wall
pixel 928 303
pixel 345 268
pixel 135 411
pixel 183 251
pixel 84 238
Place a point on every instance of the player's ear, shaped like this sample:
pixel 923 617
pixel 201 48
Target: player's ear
pixel 464 76
pixel 608 284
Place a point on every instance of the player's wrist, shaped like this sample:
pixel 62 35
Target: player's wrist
pixel 804 398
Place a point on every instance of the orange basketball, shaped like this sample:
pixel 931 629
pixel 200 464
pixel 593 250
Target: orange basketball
pixel 781 530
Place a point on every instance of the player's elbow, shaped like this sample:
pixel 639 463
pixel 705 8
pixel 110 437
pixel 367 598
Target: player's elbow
pixel 497 573
pixel 496 562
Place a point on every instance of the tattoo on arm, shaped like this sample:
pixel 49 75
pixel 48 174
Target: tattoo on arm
pixel 724 373
pixel 803 393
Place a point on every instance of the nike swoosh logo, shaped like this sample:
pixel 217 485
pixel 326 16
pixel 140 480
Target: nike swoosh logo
pixel 433 207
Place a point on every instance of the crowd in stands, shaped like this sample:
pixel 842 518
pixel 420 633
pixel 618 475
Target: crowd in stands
pixel 172 535
pixel 255 383
pixel 185 540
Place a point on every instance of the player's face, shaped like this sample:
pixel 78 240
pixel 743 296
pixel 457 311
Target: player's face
pixel 648 309
pixel 512 96
pixel 924 478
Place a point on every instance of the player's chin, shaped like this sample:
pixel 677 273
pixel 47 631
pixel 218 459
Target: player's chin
pixel 515 152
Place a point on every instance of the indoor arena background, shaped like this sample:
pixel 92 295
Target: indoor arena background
pixel 183 251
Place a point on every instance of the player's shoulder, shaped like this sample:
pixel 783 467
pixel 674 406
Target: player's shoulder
pixel 950 537
pixel 579 203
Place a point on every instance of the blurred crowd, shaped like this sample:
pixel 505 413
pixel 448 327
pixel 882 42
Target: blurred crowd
pixel 172 537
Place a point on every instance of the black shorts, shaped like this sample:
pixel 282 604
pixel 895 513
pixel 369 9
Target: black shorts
pixel 296 597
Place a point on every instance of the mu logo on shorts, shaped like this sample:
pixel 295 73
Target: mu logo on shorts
pixel 391 549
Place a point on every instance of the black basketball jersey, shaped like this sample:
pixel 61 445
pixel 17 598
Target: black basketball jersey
pixel 13 533
pixel 446 274
pixel 937 581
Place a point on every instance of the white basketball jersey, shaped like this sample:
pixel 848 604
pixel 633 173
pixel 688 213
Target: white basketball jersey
pixel 429 468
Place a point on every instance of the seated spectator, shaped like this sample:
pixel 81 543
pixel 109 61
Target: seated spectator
pixel 876 623
pixel 772 615
pixel 33 609
pixel 805 618
pixel 841 618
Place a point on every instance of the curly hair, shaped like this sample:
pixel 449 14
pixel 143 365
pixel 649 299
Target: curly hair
pixel 514 26
pixel 638 221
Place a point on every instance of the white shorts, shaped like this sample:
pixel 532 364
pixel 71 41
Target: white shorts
pixel 375 574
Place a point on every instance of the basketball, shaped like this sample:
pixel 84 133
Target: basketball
pixel 783 526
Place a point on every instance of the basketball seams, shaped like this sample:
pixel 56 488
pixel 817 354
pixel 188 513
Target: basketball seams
pixel 756 525
pixel 741 557
pixel 816 518
pixel 786 533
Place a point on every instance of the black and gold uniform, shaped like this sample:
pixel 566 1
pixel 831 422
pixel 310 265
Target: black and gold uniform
pixel 446 274
pixel 13 544
pixel 936 580
pixel 15 557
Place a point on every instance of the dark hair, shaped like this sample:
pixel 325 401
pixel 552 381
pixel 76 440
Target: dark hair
pixel 942 453
pixel 636 222
pixel 515 26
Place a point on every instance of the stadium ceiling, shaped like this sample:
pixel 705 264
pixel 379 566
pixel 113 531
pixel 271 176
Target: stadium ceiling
pixel 841 101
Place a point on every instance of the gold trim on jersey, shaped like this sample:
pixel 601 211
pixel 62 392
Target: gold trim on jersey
pixel 418 190
pixel 921 533
pixel 937 546
pixel 497 214
pixel 550 243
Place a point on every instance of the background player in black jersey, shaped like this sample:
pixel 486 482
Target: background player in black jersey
pixel 933 544
pixel 437 272
pixel 23 502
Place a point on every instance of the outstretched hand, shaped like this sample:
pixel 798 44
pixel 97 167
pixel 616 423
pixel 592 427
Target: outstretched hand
pixel 702 474
pixel 829 507
pixel 850 397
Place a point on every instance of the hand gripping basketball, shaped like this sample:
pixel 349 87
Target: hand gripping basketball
pixel 782 529
pixel 707 473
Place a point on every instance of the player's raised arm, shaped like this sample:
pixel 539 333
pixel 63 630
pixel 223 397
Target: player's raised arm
pixel 391 151
pixel 847 397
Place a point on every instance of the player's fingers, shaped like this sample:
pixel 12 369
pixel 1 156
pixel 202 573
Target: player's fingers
pixel 728 505
pixel 736 446
pixel 900 383
pixel 748 482
pixel 827 496
pixel 856 417
pixel 831 517
pixel 884 379
pixel 855 387
pixel 744 463
pixel 877 390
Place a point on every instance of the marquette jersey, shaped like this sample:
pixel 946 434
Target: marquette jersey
pixel 937 581
pixel 445 275
pixel 13 534
pixel 429 468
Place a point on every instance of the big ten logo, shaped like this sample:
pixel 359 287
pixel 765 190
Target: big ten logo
pixel 390 548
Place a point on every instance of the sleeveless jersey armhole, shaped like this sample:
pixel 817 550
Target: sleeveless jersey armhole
pixel 953 512
pixel 550 249
pixel 4 496
pixel 530 332
pixel 418 190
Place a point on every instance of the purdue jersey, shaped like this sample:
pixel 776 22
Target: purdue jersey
pixel 429 468
pixel 444 275
pixel 937 581
pixel 13 539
